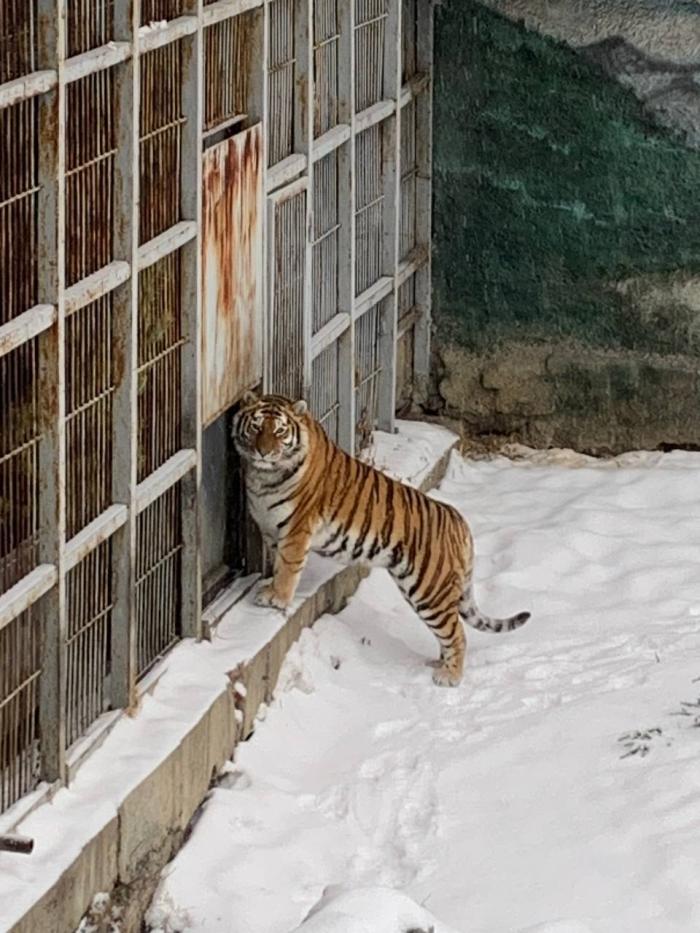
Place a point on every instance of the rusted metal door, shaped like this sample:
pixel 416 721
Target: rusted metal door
pixel 232 271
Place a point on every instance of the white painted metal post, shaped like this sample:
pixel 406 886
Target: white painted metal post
pixel 424 158
pixel 191 209
pixel 125 310
pixel 346 217
pixel 267 213
pixel 52 452
pixel 303 142
pixel 391 174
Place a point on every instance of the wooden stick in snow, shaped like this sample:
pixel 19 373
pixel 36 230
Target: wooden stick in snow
pixel 21 844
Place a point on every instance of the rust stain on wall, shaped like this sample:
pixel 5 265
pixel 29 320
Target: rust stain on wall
pixel 232 271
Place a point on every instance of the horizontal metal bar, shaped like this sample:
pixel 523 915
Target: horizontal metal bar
pixel 224 125
pixel 26 327
pixel 156 35
pixel 285 171
pixel 372 296
pixel 225 9
pixel 92 535
pixel 289 191
pixel 169 241
pixel 415 86
pixel 88 63
pixel 164 477
pixel 97 285
pixel 38 82
pixel 26 592
pixel 374 114
pixel 330 141
pixel 411 264
pixel 329 333
pixel 407 321
pixel 379 18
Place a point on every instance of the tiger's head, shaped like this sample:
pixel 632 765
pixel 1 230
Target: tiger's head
pixel 270 431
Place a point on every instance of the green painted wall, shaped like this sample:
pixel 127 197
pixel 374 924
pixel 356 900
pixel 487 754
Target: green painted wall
pixel 551 184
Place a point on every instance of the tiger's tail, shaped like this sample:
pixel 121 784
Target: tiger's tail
pixel 473 616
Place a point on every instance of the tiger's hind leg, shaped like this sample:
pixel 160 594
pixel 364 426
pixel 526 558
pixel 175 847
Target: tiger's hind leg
pixel 448 629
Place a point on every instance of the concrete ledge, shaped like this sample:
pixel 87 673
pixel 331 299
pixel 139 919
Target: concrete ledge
pixel 129 808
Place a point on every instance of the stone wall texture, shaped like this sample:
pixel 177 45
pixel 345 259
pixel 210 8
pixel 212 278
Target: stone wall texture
pixel 567 220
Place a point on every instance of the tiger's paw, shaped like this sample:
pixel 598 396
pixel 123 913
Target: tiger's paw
pixel 266 597
pixel 444 677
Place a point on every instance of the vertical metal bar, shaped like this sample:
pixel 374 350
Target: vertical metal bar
pixel 51 288
pixel 424 161
pixel 270 234
pixel 268 222
pixel 127 18
pixel 191 209
pixel 346 219
pixel 391 175
pixel 304 134
pixel 257 96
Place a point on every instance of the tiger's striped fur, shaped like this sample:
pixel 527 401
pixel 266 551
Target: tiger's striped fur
pixel 306 494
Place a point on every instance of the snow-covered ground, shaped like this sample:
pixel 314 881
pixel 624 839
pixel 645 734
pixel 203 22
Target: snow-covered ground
pixel 557 790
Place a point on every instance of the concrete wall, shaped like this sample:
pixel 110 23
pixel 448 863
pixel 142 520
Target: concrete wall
pixel 567 220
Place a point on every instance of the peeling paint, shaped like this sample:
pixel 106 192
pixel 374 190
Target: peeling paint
pixel 232 271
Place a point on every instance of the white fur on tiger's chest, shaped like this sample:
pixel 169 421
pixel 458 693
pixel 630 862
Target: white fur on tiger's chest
pixel 264 516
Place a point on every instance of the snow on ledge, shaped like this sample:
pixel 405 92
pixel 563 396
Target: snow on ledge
pixel 193 676
pixel 412 453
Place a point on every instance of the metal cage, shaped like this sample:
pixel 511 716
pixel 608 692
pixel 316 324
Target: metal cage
pixel 197 197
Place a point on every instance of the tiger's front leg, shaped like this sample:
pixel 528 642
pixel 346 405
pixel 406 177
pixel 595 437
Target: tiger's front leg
pixel 289 560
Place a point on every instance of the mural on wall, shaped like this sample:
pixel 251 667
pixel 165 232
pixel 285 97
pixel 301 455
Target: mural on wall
pixel 567 173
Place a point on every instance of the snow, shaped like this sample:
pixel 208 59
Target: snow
pixel 412 452
pixel 555 791
pixel 189 681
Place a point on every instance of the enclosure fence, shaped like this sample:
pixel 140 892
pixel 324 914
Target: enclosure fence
pixel 197 197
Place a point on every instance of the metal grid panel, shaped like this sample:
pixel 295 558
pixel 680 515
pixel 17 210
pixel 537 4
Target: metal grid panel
pixel 90 153
pixel 161 135
pixel 326 231
pixel 155 11
pixel 89 24
pixel 89 606
pixel 158 571
pixel 370 29
pixel 159 363
pixel 20 647
pixel 17 39
pixel 89 390
pixel 369 208
pixel 19 698
pixel 326 43
pixel 409 36
pixel 19 185
pixel 406 298
pixel 409 176
pixel 19 440
pixel 289 258
pixel 367 372
pixel 228 48
pixel 404 369
pixel 281 79
pixel 325 390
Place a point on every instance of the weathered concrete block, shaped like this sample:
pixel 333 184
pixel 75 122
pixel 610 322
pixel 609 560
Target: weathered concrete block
pixel 596 400
pixel 96 869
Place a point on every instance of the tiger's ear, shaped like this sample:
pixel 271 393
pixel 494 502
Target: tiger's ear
pixel 300 407
pixel 249 397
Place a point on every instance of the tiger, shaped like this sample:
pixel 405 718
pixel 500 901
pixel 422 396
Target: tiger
pixel 307 494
